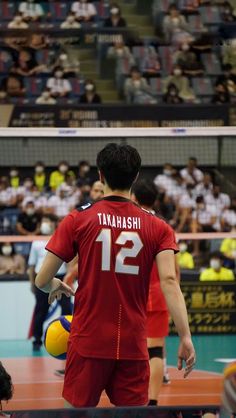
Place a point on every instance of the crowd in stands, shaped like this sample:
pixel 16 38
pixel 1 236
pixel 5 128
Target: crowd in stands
pixel 182 63
pixel 188 199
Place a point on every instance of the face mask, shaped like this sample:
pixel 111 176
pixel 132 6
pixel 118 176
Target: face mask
pixel 172 92
pixel 39 169
pixel 46 228
pixel 120 52
pixel 13 173
pixel 137 83
pixel 85 169
pixel 177 71
pixel 46 95
pixel 89 87
pixel 215 264
pixel 182 248
pixel 59 74
pixel 63 168
pixel 114 10
pixel 30 211
pixel 71 19
pixel 175 20
pixel 6 250
pixel 28 184
pixel 18 19
pixel 185 47
pixel 63 57
pixel 167 172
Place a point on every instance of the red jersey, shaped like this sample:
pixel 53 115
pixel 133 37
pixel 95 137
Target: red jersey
pixel 156 299
pixel 116 242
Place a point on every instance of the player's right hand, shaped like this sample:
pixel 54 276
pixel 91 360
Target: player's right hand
pixel 186 353
pixel 58 288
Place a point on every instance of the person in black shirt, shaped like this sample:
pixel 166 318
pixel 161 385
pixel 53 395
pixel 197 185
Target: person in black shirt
pixel 28 222
pixel 221 95
pixel 90 96
pixel 172 95
pixel 227 78
pixel 115 20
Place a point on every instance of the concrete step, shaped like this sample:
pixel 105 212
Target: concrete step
pixel 88 66
pixel 86 54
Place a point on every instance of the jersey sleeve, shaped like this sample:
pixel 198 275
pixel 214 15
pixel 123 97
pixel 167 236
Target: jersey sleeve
pixel 63 243
pixel 164 237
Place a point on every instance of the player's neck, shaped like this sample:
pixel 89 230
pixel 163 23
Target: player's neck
pixel 122 193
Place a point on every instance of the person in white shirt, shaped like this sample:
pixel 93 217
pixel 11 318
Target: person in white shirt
pixel 220 201
pixel 184 208
pixel 191 174
pixel 18 22
pixel 165 181
pixel 177 190
pixel 8 197
pixel 70 22
pixel 61 203
pixel 58 85
pixel 228 217
pixel 83 10
pixel 31 10
pixel 45 98
pixel 205 187
pixel 36 258
pixel 204 219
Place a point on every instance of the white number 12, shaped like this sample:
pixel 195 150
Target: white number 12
pixel 120 267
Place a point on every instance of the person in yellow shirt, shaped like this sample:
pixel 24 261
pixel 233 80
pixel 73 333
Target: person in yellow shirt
pixel 57 177
pixel 184 258
pixel 216 272
pixel 14 177
pixel 228 249
pixel 40 176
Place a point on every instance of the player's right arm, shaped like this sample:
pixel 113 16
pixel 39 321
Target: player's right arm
pixel 177 308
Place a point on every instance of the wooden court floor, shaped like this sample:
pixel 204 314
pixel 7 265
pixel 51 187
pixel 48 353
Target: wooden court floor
pixel 36 386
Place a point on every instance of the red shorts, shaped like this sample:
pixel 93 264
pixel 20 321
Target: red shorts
pixel 157 324
pixel 125 381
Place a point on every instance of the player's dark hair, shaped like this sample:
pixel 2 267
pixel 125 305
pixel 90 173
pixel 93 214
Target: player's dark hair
pixel 217 254
pixel 119 164
pixel 145 192
pixel 6 387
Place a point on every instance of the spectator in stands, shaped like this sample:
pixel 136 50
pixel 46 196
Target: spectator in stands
pixel 228 216
pixel 58 85
pixel 37 41
pixel 193 67
pixel 28 222
pixel 205 186
pixel 218 200
pixel 70 22
pixel 216 272
pixel 18 22
pixel 165 181
pixel 14 177
pixel 183 54
pixel 25 64
pixel 71 67
pixel 175 26
pixel 120 51
pixel 184 258
pixel 84 176
pixel 90 95
pixel 150 64
pixel 12 86
pixel 10 262
pixel 221 95
pixel 186 203
pixel 84 11
pixel 203 217
pixel 6 386
pixel 181 82
pixel 46 98
pixel 27 189
pixel 136 88
pixel 40 176
pixel 227 14
pixel 228 249
pixel 115 20
pixel 61 203
pixel 8 197
pixel 31 10
pixel 97 191
pixel 177 189
pixel 229 54
pixel 191 174
pixel 57 177
pixel 227 78
pixel 172 95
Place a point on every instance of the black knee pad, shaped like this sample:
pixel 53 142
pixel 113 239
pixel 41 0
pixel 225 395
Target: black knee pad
pixel 155 352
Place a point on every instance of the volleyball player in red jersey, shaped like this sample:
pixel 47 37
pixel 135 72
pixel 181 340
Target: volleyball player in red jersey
pixel 144 192
pixel 117 243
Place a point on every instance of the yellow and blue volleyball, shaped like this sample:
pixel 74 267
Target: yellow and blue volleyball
pixel 57 336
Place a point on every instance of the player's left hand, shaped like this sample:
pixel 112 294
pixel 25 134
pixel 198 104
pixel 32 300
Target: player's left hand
pixel 59 288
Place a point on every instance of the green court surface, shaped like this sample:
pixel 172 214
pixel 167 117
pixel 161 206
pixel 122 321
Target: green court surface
pixel 208 349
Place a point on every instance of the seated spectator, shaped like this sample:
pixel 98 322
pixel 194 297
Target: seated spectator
pixel 182 55
pixel 191 174
pixel 90 96
pixel 31 10
pixel 70 22
pixel 37 41
pixel 28 222
pixel 177 189
pixel 8 197
pixel 218 200
pixel 84 11
pixel 10 262
pixel 61 203
pixel 6 386
pixel 181 82
pixel 26 65
pixel 175 27
pixel 46 98
pixel 227 78
pixel 216 272
pixel 84 176
pixel 120 51
pixel 115 20
pixel 172 95
pixel 57 177
pixel 14 177
pixel 221 95
pixel 27 189
pixel 71 67
pixel 229 54
pixel 193 67
pixel 58 85
pixel 203 217
pixel 136 88
pixel 12 86
pixel 40 176
pixel 205 186
pixel 228 216
pixel 18 22
pixel 228 249
pixel 227 14
pixel 97 191
pixel 165 181
pixel 184 258
pixel 150 63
